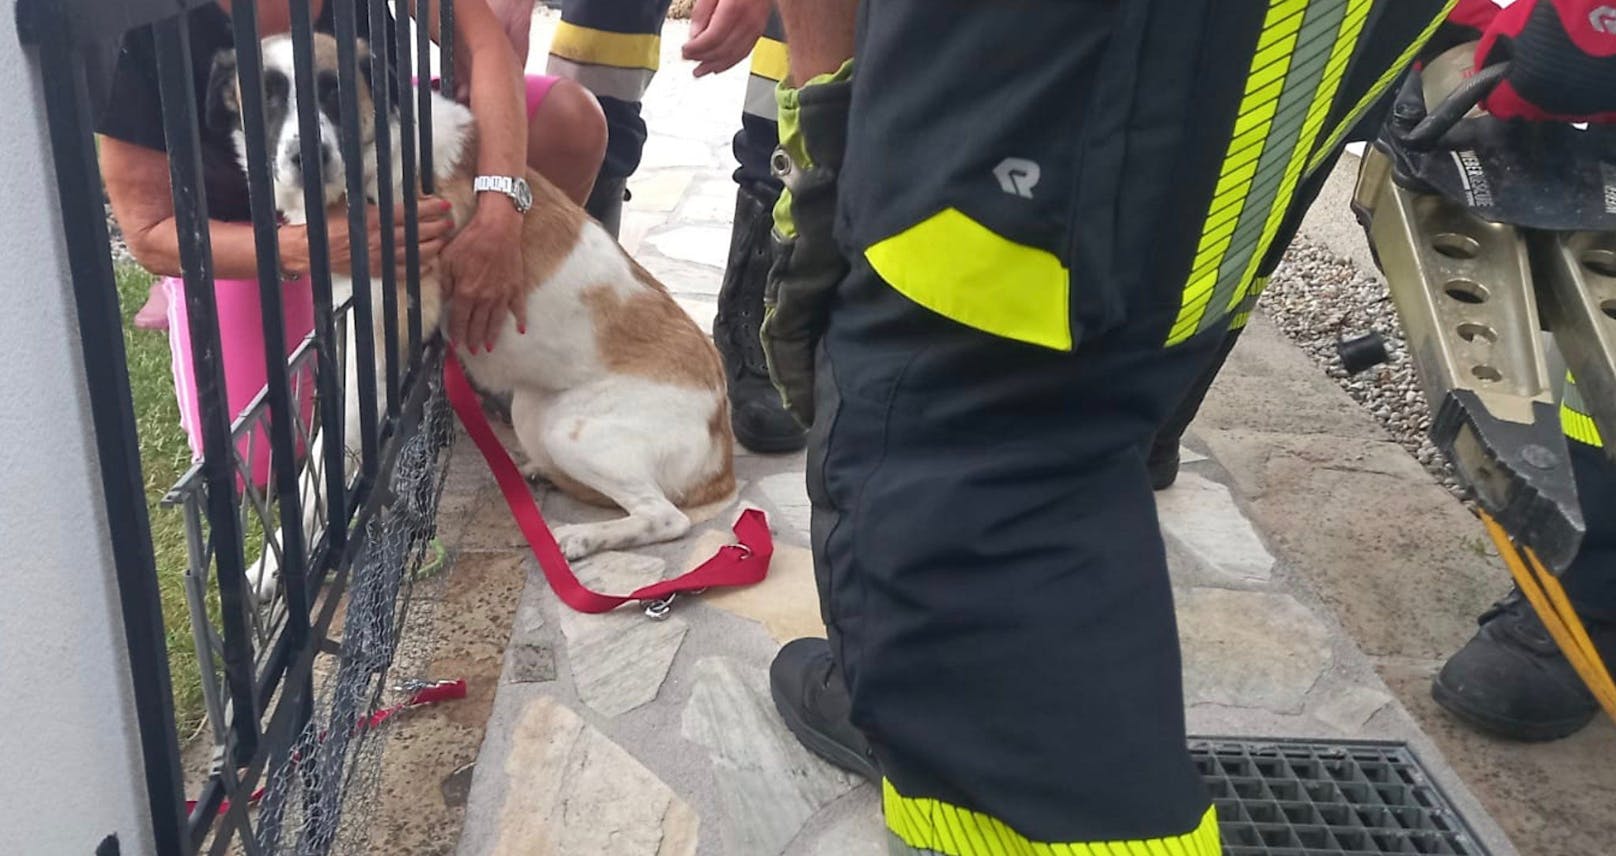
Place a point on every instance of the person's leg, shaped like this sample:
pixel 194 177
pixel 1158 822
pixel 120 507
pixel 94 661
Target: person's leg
pixel 1163 457
pixel 612 48
pixel 153 314
pixel 760 423
pixel 1510 679
pixel 566 138
pixel 993 578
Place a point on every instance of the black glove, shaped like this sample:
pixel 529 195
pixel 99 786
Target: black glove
pixel 808 266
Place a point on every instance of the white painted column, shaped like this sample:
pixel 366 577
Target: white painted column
pixel 69 747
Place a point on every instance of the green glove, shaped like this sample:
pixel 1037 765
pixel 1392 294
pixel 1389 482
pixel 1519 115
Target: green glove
pixel 807 264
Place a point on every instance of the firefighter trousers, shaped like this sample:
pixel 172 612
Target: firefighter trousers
pixel 993 578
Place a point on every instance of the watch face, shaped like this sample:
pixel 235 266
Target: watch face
pixel 524 194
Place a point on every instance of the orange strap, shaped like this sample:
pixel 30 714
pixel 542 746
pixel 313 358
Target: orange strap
pixel 1548 599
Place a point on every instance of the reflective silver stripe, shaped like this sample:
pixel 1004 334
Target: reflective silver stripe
pixel 760 98
pixel 624 84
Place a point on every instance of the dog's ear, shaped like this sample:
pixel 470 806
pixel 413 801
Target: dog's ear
pixel 370 81
pixel 223 112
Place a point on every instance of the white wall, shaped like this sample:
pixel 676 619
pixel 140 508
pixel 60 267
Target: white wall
pixel 68 743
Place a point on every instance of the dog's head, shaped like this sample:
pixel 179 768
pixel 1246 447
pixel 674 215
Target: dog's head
pixel 284 135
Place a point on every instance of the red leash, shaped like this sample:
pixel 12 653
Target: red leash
pixel 421 693
pixel 734 565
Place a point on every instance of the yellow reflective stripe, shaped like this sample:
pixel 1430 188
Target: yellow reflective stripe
pixel 933 826
pixel 603 47
pixel 963 270
pixel 1574 418
pixel 1334 70
pixel 1255 117
pixel 1580 427
pixel 1323 151
pixel 1242 314
pixel 624 84
pixel 769 59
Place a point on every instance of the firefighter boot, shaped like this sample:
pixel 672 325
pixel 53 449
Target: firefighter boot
pixel 761 423
pixel 812 699
pixel 605 202
pixel 1512 680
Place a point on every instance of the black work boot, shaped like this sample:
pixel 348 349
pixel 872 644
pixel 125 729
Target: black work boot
pixel 1163 462
pixel 605 202
pixel 1511 679
pixel 760 421
pixel 809 693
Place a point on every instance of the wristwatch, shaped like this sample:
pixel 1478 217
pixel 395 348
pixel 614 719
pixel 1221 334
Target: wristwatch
pixel 515 187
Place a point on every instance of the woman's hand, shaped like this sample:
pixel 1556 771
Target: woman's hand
pixel 482 272
pixel 435 223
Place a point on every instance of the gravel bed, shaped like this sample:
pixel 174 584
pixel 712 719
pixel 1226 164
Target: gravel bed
pixel 1318 298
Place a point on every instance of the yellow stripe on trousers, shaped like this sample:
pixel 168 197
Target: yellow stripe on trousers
pixel 1574 418
pixel 931 826
pixel 770 59
pixel 602 47
pixel 1323 150
pixel 1281 62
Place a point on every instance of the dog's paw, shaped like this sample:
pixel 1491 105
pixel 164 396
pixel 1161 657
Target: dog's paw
pixel 263 584
pixel 534 474
pixel 576 542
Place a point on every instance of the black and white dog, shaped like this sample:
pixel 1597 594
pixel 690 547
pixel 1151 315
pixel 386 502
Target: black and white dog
pixel 618 397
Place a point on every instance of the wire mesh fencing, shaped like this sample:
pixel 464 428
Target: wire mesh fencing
pixel 310 514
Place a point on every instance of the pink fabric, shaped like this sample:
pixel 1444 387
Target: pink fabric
pixel 538 86
pixel 241 341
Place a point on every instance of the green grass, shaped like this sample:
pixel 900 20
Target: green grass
pixel 164 457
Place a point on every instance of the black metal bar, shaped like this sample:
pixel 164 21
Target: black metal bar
pixel 175 82
pixel 407 140
pixel 446 46
pixel 95 293
pixel 363 317
pixel 282 409
pixel 381 76
pixel 423 93
pixel 327 388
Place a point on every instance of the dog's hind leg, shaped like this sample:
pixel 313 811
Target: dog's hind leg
pixel 651 519
pixel 596 458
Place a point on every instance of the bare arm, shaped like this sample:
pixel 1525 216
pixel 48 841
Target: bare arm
pixel 482 265
pixel 138 186
pixel 498 98
pixel 820 33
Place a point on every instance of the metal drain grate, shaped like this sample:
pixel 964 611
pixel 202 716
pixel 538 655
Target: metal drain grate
pixel 1346 798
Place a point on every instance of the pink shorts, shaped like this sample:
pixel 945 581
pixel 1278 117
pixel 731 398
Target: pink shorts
pixel 538 86
pixel 241 339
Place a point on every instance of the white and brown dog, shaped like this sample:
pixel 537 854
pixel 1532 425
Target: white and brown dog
pixel 617 397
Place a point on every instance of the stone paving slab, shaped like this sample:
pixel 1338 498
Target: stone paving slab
pixel 616 734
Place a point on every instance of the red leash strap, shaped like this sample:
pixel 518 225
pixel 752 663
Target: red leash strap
pixel 420 694
pixel 734 565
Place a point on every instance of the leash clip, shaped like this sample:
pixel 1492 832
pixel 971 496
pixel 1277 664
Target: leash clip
pixel 661 608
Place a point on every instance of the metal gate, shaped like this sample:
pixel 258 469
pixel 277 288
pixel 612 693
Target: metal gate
pixel 289 736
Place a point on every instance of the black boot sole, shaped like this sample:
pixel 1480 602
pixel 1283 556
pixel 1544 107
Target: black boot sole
pixel 821 744
pixel 770 444
pixel 1501 726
